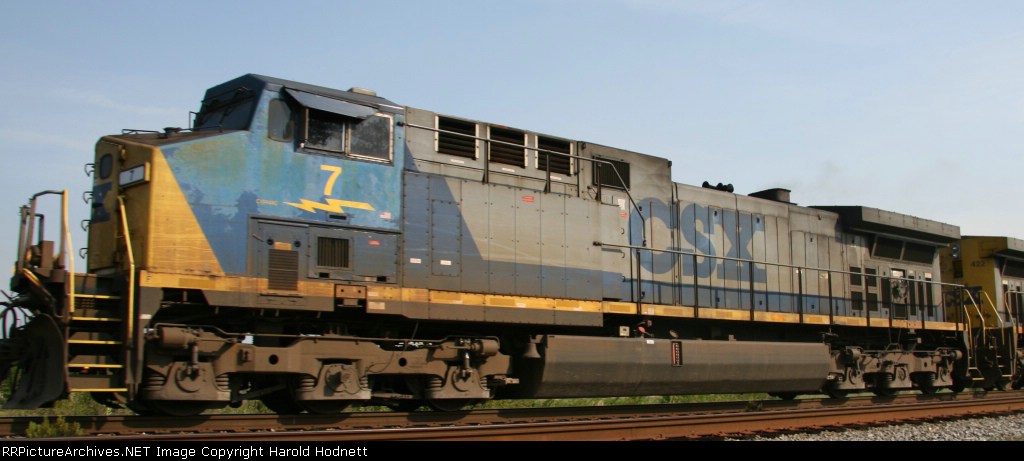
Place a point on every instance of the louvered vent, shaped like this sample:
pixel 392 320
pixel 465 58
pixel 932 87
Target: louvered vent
pixel 332 252
pixel 459 145
pixel 283 270
pixel 614 173
pixel 559 164
pixel 504 153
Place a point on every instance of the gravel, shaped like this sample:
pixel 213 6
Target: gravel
pixel 967 429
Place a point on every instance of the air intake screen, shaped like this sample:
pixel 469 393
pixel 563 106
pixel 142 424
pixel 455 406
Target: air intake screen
pixel 283 270
pixel 332 252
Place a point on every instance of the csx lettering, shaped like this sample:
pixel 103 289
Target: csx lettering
pixel 698 224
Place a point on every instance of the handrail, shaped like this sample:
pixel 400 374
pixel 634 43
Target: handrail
pixel 1013 331
pixel 993 307
pixel 800 271
pixel 130 318
pixel 970 332
pixel 978 310
pixel 789 266
pixel 65 243
pixel 28 222
pixel 1002 328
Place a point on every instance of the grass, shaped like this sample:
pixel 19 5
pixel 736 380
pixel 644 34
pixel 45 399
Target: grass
pixel 611 401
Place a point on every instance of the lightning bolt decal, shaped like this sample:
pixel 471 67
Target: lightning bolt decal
pixel 331 205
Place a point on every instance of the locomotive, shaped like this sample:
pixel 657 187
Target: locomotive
pixel 315 248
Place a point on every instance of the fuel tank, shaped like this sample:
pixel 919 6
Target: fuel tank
pixel 577 366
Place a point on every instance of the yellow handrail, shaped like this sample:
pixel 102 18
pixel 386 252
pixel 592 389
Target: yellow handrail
pixel 131 272
pixel 970 328
pixel 65 244
pixel 1002 328
pixel 978 310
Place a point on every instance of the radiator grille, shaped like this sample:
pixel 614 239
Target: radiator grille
pixel 453 144
pixel 504 153
pixel 332 252
pixel 283 270
pixel 559 164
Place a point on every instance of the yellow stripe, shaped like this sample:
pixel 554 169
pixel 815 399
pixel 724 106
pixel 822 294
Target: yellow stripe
pixel 618 308
pixel 96 319
pixel 851 321
pixel 779 317
pixel 945 326
pixel 475 299
pixel 723 314
pixel 673 311
pixel 94 365
pixel 814 319
pixel 905 323
pixel 381 294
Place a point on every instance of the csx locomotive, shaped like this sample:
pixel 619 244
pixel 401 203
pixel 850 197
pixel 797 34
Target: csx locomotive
pixel 315 248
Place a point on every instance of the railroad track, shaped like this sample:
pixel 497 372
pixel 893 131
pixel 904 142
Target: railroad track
pixel 633 422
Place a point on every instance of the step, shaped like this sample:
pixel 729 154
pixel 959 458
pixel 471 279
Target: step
pixel 76 318
pixel 91 303
pixel 94 383
pixel 93 336
pixel 94 342
pixel 95 365
pixel 92 296
pixel 112 311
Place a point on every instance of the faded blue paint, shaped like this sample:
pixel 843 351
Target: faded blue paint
pixel 230 178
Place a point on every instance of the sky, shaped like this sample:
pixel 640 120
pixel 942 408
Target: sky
pixel 910 106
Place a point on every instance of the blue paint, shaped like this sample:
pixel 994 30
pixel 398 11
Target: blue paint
pixel 229 179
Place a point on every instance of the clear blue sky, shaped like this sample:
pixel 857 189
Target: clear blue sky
pixel 910 106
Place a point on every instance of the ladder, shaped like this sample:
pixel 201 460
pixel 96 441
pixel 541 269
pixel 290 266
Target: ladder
pixel 95 332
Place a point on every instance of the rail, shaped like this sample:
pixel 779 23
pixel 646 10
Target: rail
pixel 130 316
pixel 969 334
pixel 28 222
pixel 26 263
pixel 65 244
pixel 611 422
pixel 753 291
pixel 1002 330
